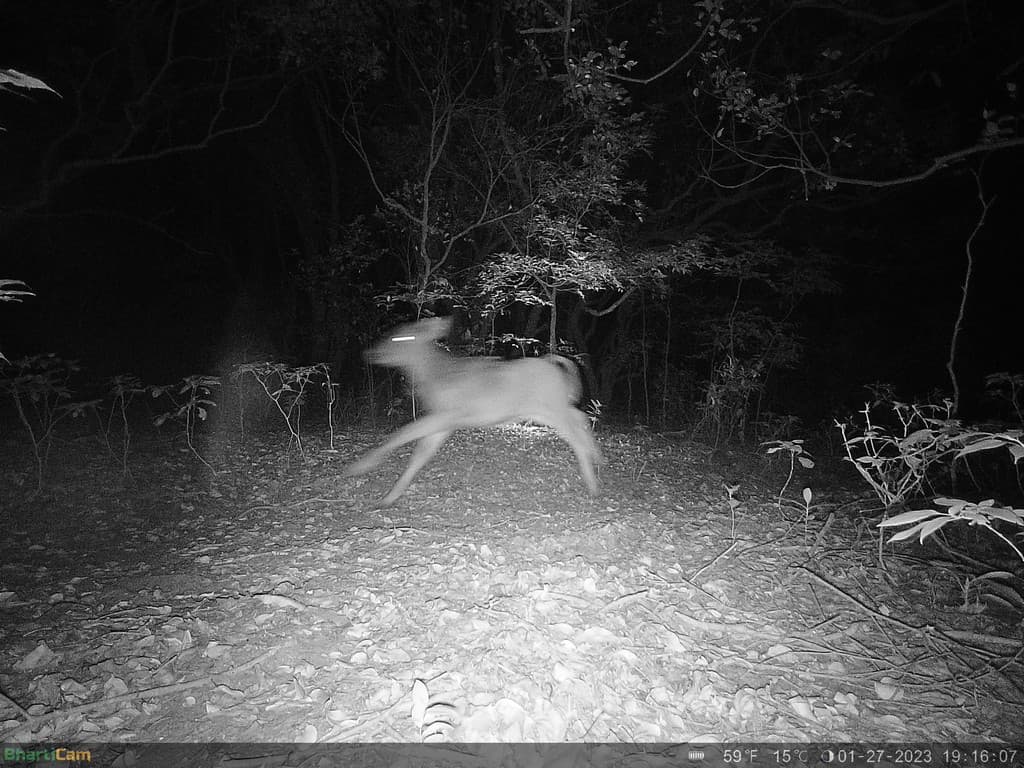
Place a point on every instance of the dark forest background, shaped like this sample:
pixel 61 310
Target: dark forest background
pixel 767 204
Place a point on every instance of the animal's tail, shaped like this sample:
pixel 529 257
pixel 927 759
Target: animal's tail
pixel 572 375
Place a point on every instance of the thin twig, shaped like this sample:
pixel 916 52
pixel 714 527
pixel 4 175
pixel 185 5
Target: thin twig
pixel 148 693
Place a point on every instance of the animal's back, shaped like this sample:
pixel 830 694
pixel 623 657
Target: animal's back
pixel 489 390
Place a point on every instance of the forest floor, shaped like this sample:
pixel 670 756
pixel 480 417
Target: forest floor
pixel 269 601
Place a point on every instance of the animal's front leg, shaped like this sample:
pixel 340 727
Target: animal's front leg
pixel 428 425
pixel 425 449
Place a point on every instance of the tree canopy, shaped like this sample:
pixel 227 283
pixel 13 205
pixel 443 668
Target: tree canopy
pixel 568 160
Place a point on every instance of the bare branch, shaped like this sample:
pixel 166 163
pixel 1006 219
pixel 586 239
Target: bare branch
pixel 212 133
pixel 148 224
pixel 874 18
pixel 563 26
pixel 614 305
pixel 958 323
pixel 670 67
pixel 937 165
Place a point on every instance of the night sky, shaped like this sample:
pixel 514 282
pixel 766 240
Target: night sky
pixel 165 206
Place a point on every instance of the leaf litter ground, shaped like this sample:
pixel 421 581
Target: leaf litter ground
pixel 494 602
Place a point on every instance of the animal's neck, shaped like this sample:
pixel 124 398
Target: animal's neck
pixel 426 369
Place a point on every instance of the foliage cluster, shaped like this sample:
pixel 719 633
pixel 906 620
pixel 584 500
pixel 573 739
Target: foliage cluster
pixel 642 180
pixel 38 389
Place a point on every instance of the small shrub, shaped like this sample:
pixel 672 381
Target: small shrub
pixel 190 401
pixel 38 388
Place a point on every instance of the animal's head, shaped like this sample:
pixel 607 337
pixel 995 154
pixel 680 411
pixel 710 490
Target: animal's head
pixel 408 342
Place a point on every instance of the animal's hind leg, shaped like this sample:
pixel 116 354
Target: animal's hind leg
pixel 574 431
pixel 424 451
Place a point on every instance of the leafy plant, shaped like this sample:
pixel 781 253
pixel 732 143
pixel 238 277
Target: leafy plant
pixel 12 78
pixel 190 401
pixel 13 290
pixel 976 441
pixel 123 389
pixel 773 428
pixel 727 399
pixel 925 522
pixel 895 462
pixel 593 411
pixel 538 276
pixel 1008 388
pixel 286 388
pixel 997 586
pixel 797 453
pixel 331 390
pixel 37 385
